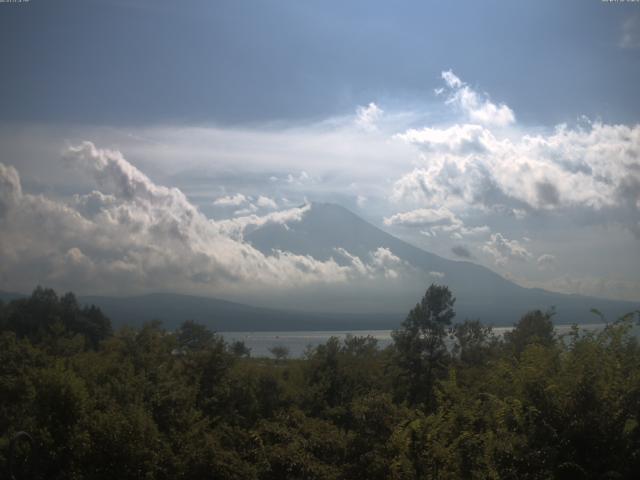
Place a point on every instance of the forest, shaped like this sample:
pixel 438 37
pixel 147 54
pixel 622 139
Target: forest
pixel 449 399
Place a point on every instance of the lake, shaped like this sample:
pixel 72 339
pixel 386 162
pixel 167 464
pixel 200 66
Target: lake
pixel 298 341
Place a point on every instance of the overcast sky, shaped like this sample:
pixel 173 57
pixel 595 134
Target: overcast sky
pixel 138 139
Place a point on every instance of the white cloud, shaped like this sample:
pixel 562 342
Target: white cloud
pixel 474 105
pixel 437 220
pixel 136 235
pixel 367 117
pixel 248 210
pixel 451 79
pixel 457 139
pixel 266 202
pixel 10 189
pixel 300 179
pixel 504 250
pixel 382 263
pixel 593 169
pixel 231 200
pixel 423 217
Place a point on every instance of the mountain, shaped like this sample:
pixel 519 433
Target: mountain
pixel 224 316
pixel 221 315
pixel 480 292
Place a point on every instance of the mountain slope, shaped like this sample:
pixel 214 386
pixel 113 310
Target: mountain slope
pixel 480 292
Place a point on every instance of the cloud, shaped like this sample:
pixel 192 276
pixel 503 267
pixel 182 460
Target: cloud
pixel 10 189
pixel 436 220
pixel 266 202
pixel 385 262
pixel 457 139
pixel 477 107
pixel 479 176
pixel 546 261
pixel 504 250
pixel 451 79
pixel 591 168
pixel 461 251
pixel 423 217
pixel 630 32
pixel 231 201
pixel 135 235
pixel 382 263
pixel 367 117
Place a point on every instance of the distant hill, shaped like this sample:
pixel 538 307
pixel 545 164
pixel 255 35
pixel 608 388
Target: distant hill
pixel 221 315
pixel 8 296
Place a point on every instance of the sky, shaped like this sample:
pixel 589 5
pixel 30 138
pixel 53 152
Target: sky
pixel 139 140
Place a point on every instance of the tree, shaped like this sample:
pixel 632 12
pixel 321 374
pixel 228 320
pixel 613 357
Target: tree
pixel 44 315
pixel 194 336
pixel 534 327
pixel 280 352
pixel 420 343
pixel 240 349
pixel 474 342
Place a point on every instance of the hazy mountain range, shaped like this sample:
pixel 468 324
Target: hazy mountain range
pixel 324 232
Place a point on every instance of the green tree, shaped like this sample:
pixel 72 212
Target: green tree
pixel 534 327
pixel 194 336
pixel 420 344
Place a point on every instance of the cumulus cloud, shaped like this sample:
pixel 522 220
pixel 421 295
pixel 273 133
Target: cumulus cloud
pixel 134 234
pixel 504 250
pixel 476 106
pixel 593 168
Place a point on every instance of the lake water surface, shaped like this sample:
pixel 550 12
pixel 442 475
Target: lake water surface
pixel 298 341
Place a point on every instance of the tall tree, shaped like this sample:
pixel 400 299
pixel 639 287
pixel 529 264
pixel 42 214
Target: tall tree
pixel 420 344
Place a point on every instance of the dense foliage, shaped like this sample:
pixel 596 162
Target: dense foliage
pixel 446 401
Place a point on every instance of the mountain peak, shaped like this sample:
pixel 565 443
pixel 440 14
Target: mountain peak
pixel 328 228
